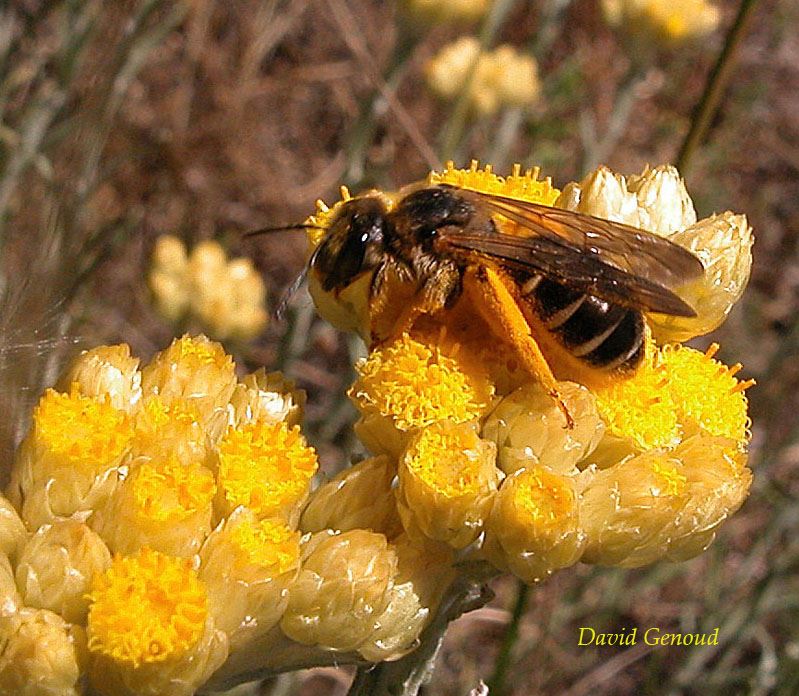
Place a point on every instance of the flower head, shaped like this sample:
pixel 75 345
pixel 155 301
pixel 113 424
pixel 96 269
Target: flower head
pixel 670 23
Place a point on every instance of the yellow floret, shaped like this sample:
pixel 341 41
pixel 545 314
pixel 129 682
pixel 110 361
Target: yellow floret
pixel 173 428
pixel 148 608
pixel 706 393
pixel 169 491
pixel 415 384
pixel 267 467
pixel 80 430
pixel 525 187
pixel 267 543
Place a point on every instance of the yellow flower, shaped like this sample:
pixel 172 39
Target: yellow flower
pixel 447 480
pixel 56 567
pixel 410 384
pixel 71 459
pixel 149 628
pixel 40 653
pixel 268 397
pixel 12 529
pixel 248 565
pixel 534 527
pixel 163 504
pixel 360 497
pixel 667 21
pixel 226 297
pixel 266 467
pixel 10 599
pixel 174 428
pixel 502 77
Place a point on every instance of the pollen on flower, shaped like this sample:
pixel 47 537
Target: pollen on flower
pixel 447 461
pixel 84 431
pixel 416 384
pixel 670 480
pixel 706 392
pixel 146 608
pixel 543 496
pixel 265 466
pixel 196 352
pixel 522 186
pixel 175 427
pixel 267 543
pixel 171 491
pixel 641 408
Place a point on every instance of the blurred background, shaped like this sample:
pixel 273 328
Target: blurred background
pixel 123 122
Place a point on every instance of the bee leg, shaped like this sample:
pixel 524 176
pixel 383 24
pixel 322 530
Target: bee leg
pixel 495 302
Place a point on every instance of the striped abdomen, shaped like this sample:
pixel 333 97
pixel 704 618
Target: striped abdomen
pixel 603 335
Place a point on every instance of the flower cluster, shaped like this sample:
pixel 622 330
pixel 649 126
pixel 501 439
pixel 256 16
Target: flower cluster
pixel 150 542
pixel 473 456
pixel 227 298
pixel 498 78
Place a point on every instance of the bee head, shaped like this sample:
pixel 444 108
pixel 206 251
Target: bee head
pixel 353 243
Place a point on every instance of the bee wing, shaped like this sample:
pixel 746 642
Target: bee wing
pixel 647 256
pixel 573 267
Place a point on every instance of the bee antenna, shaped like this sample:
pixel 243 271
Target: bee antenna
pixel 284 228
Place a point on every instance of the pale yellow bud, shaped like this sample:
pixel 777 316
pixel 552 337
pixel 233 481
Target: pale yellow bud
pixel 670 22
pixel 106 373
pixel 169 254
pixel 603 194
pixel 343 587
pixel 171 294
pixel 268 397
pixel 662 504
pixel 663 201
pixel 56 567
pixel 423 574
pixel 163 504
pixel 724 245
pixel 206 260
pixel 516 79
pixel 197 370
pixel 447 71
pixel 40 654
pixel 248 566
pixel 534 527
pixel 10 599
pixel 173 430
pixel 360 497
pixel 447 479
pixel 529 428
pixel 12 529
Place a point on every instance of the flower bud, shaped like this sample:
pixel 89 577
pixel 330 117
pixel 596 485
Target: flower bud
pixel 360 497
pixel 248 566
pixel 71 459
pixel 534 527
pixel 430 12
pixel 447 479
pixel 529 428
pixel 343 587
pixel 603 194
pixel 724 245
pixel 173 429
pixel 56 567
pixel 40 654
pixel 163 504
pixel 664 205
pixel 665 22
pixel 662 504
pixel 197 370
pixel 12 529
pixel 10 599
pixel 268 397
pixel 106 373
pixel 149 629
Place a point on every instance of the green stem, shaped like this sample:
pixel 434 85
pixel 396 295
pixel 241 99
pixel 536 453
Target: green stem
pixel 716 82
pixel 496 685
pixel 453 130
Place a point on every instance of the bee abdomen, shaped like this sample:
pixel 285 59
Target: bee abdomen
pixel 604 335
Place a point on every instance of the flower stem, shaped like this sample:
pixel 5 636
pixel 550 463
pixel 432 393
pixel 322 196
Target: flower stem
pixel 496 685
pixel 716 82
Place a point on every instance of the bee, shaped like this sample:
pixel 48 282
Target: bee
pixel 559 287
